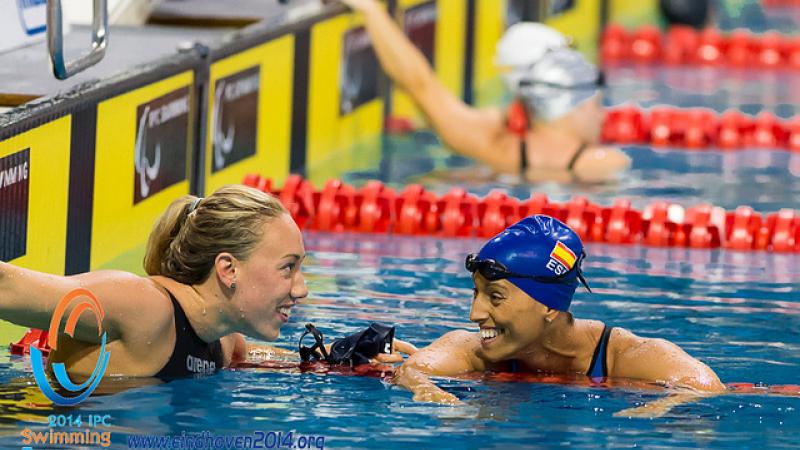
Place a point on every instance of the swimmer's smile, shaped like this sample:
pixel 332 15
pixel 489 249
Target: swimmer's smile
pixel 490 334
pixel 284 312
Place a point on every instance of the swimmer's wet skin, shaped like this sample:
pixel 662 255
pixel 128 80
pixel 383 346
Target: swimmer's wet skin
pixel 525 279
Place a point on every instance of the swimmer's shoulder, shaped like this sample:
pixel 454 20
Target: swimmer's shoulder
pixel 658 360
pixel 467 344
pixel 454 353
pixel 132 304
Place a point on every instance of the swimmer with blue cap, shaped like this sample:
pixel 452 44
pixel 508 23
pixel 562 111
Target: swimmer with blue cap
pixel 525 279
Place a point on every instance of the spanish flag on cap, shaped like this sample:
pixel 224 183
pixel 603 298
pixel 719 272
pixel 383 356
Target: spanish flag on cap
pixel 564 255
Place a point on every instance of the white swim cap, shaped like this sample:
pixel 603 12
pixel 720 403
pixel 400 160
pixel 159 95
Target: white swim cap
pixel 523 45
pixel 559 83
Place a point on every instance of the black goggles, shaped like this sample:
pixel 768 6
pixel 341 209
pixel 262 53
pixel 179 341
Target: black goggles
pixel 598 83
pixel 317 351
pixel 493 270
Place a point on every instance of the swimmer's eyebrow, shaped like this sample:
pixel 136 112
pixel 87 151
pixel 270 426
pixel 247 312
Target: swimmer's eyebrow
pixel 495 284
pixel 294 256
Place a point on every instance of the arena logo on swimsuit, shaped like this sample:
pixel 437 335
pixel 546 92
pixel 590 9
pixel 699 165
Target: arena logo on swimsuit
pixel 86 301
pixel 162 143
pixel 199 365
pixel 14 194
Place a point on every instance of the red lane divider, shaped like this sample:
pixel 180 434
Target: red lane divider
pixel 698 128
pixel 376 208
pixel 34 337
pixel 689 128
pixel 780 3
pixel 685 45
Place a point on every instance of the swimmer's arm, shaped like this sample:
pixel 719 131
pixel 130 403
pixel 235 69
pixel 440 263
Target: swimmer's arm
pixel 262 352
pixel 479 134
pixel 661 406
pixel 252 352
pixel 660 361
pixel 451 355
pixel 130 303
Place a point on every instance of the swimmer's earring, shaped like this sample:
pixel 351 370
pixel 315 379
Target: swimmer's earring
pixel 233 286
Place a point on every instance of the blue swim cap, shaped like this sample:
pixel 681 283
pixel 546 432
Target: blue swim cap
pixel 542 247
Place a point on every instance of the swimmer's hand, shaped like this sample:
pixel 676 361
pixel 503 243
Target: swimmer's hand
pixel 399 348
pixel 422 387
pixel 661 406
pixel 259 353
pixel 435 394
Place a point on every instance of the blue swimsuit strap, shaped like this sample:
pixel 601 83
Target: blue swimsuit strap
pixel 598 367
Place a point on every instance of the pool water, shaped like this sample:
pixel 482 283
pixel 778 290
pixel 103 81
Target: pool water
pixel 738 312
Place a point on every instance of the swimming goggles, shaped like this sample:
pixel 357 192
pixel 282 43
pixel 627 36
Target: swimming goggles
pixel 317 351
pixel 494 270
pixel 597 83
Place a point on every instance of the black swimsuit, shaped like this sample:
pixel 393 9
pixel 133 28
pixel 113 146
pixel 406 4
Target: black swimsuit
pixel 598 368
pixel 523 157
pixel 191 355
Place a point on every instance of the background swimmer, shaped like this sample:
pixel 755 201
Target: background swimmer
pixel 561 95
pixel 525 278
pixel 219 266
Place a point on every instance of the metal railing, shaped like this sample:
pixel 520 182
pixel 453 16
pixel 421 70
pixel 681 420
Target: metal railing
pixel 55 39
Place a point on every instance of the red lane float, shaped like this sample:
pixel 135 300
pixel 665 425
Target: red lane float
pixel 376 208
pixel 685 45
pixel 690 128
pixel 700 128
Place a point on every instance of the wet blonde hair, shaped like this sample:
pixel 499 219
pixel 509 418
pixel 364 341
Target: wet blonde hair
pixel 189 235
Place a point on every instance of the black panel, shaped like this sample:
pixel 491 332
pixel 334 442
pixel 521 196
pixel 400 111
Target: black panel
pixel 81 190
pixel 15 173
pixel 302 46
pixel 419 25
pixel 234 118
pixel 469 50
pixel 358 78
pixel 162 143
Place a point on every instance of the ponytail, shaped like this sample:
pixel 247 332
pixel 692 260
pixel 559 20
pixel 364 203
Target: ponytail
pixel 189 235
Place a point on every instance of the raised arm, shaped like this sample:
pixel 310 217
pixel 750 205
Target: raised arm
pixel 479 134
pixel 451 355
pixel 29 298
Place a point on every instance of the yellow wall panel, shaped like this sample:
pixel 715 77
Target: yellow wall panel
pixel 48 189
pixel 118 224
pixel 275 61
pixel 332 134
pixel 633 13
pixel 489 27
pixel 582 23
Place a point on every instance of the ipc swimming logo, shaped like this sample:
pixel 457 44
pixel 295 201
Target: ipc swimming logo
pixel 90 302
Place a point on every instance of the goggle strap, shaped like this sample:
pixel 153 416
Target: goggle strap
pixel 319 344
